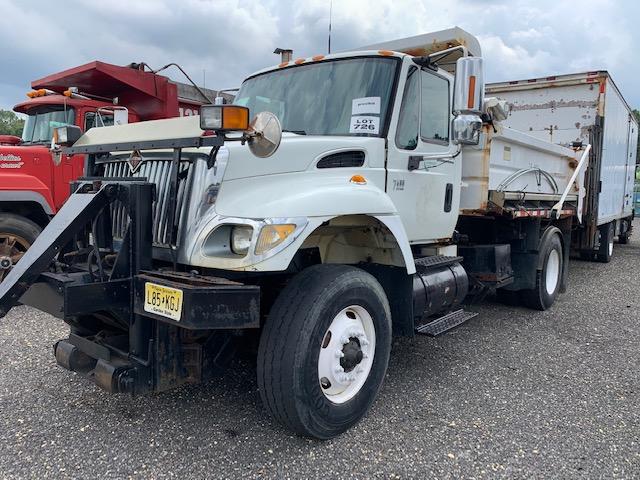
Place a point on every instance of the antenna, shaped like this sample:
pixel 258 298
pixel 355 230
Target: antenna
pixel 330 11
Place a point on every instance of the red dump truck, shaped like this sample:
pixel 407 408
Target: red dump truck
pixel 34 184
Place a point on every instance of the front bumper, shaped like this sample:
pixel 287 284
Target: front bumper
pixel 129 349
pixel 209 303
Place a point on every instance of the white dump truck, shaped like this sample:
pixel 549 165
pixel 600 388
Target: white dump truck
pixel 373 191
pixel 580 109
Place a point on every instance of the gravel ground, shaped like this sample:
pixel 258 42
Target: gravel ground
pixel 512 393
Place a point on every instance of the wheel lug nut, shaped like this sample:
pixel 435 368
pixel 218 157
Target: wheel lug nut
pixel 339 354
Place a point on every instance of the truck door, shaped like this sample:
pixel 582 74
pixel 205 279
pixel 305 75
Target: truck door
pixel 423 176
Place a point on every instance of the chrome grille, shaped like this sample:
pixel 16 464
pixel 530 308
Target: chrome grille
pixel 158 172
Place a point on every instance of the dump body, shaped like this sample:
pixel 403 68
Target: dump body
pixel 513 164
pixel 586 108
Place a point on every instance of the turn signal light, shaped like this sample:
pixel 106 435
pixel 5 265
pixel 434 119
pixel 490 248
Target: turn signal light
pixel 224 117
pixel 273 235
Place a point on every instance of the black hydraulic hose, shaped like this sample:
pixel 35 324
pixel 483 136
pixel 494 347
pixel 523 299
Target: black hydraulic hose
pixel 96 248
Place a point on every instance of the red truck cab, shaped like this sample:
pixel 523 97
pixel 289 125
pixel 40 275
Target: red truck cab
pixel 32 185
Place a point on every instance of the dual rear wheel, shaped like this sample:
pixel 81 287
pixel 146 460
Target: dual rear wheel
pixel 548 277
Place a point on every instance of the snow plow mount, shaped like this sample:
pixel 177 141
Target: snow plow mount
pixel 134 328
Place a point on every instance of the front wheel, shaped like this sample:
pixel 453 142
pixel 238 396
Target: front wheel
pixel 324 350
pixel 17 233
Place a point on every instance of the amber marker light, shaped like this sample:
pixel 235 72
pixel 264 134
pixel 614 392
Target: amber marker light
pixel 358 180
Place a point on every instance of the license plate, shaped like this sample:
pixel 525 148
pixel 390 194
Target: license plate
pixel 161 300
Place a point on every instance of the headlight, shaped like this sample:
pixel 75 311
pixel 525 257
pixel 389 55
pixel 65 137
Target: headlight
pixel 273 235
pixel 241 239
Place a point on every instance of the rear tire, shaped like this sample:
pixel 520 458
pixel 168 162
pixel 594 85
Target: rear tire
pixel 17 233
pixel 548 278
pixel 623 238
pixel 305 335
pixel 606 243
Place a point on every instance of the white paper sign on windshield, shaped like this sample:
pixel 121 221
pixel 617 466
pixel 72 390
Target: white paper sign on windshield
pixel 363 105
pixel 365 124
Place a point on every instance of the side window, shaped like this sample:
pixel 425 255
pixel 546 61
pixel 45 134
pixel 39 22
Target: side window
pixel 91 119
pixel 407 133
pixel 434 125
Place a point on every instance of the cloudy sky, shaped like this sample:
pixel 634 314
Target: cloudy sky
pixel 225 40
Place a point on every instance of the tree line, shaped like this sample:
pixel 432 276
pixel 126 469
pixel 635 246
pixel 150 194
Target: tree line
pixel 10 123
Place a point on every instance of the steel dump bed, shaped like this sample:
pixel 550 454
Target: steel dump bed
pixel 512 166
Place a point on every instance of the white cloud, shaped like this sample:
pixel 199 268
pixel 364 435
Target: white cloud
pixel 231 38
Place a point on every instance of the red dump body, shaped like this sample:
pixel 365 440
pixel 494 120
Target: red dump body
pixel 30 183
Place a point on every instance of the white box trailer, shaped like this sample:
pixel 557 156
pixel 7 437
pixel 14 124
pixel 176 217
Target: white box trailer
pixel 584 108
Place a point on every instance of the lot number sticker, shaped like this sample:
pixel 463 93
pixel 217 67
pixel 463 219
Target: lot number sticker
pixel 362 124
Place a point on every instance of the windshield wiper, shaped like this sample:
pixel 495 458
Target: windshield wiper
pixel 297 132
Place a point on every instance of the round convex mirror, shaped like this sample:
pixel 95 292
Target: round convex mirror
pixel 267 134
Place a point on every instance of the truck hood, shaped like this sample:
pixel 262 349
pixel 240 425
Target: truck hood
pixel 298 153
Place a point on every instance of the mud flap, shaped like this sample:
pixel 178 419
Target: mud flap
pixel 79 209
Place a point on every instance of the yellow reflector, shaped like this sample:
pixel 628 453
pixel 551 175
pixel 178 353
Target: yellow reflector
pixel 68 93
pixel 358 180
pixel 32 94
pixel 273 235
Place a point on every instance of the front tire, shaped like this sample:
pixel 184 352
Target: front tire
pixel 17 233
pixel 548 278
pixel 324 350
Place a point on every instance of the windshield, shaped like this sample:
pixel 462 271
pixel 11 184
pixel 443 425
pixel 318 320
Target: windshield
pixel 340 97
pixel 40 124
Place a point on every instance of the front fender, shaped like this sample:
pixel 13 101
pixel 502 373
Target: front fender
pixel 319 197
pixel 305 194
pixel 18 187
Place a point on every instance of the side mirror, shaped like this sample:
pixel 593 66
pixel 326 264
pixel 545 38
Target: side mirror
pixel 468 99
pixel 466 129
